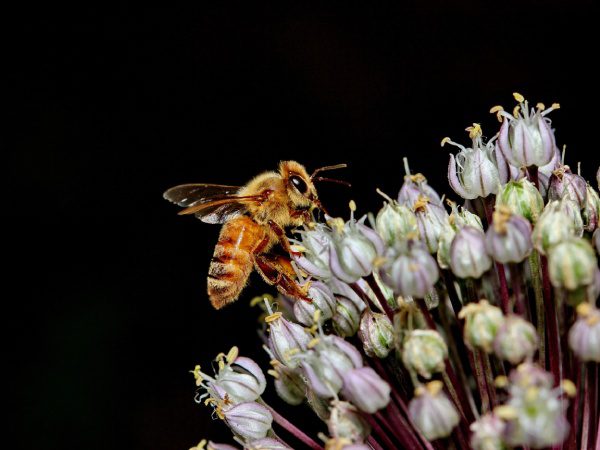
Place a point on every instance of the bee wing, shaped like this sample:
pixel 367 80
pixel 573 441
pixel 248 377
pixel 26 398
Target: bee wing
pixel 211 203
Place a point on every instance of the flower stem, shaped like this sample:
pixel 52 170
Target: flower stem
pixel 539 307
pixel 554 348
pixel 373 443
pixel 504 301
pixel 292 429
pixel 370 279
pixel 532 174
pixel 380 433
pixel 517 283
pixel 481 382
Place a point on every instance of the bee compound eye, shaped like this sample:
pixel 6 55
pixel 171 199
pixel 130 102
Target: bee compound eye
pixel 299 184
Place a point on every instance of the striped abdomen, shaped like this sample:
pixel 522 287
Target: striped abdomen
pixel 233 259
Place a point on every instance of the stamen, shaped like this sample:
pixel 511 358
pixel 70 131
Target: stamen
pixel 313 342
pixel 518 97
pixel 568 387
pixel 273 373
pixel 232 354
pixel 384 195
pixel 445 141
pixel 273 317
pixel 474 131
pixel 506 412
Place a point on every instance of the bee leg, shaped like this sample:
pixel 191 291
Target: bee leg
pixel 277 270
pixel 283 239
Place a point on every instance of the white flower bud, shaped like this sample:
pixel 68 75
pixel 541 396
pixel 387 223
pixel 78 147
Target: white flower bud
pixel 553 226
pixel 482 322
pixel 366 390
pixel 468 254
pixel 286 339
pixel 432 412
pixel 508 240
pixel 584 335
pixel 515 340
pixel 564 183
pixel 346 422
pixel 572 264
pixel 487 433
pixel 322 300
pixel 424 352
pixel 376 333
pixel 395 222
pixel 522 198
pixel 249 420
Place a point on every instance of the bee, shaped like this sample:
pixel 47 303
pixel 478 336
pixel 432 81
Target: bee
pixel 254 218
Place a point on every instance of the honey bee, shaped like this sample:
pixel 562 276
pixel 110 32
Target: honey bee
pixel 254 218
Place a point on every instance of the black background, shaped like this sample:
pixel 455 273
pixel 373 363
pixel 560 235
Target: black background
pixel 116 103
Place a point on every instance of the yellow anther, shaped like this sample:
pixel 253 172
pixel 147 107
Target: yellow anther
pixel 421 202
pixel 352 205
pixel 221 364
pixel 200 445
pixel 256 300
pixel 232 354
pixel 197 374
pixel 220 356
pixel 291 352
pixel 584 309
pixel 496 109
pixel 501 381
pixel 506 412
pixel 417 178
pixel 518 97
pixel 298 248
pixel 540 106
pixel 474 131
pixel 379 261
pixel 337 224
pixel 445 141
pixel 313 342
pixel 501 216
pixel 210 401
pixel 434 387
pixel 555 106
pixel 569 388
pixel 274 362
pixel 312 329
pixel 273 317
pixel 273 373
pixel 516 111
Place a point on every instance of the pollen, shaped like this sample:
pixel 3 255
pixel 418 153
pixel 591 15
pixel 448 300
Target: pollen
pixel 352 205
pixel 273 373
pixel 540 106
pixel 516 111
pixel 445 141
pixel 200 445
pixel 273 317
pixel 197 375
pixel 518 97
pixel 506 412
pixel 498 111
pixel 434 387
pixel 421 203
pixel 501 381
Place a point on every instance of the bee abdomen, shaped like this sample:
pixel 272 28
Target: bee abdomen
pixel 232 261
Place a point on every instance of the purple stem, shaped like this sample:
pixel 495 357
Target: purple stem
pixel 373 443
pixel 585 425
pixel 574 409
pixel 504 301
pixel 381 434
pixel 377 291
pixel 553 336
pixel 515 275
pixel 293 429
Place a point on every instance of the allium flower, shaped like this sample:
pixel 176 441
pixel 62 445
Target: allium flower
pixel 461 217
pixel 266 444
pixel 487 432
pixel 432 412
pixel 526 138
pixel 325 366
pixel 315 257
pixel 249 420
pixel 468 253
pixel 584 335
pixel 416 186
pixel 409 271
pixel 482 322
pixel 353 251
pixel 474 173
pixel 366 390
pixel 424 352
pixel 431 220
pixel 346 422
pixel 286 339
pixel 242 379
pixel 572 264
pixel 515 340
pixel 395 222
pixel 443 254
pixel 508 240
pixel 564 183
pixel 553 226
pixel 522 198
pixel 535 412
pixel 289 383
pixel 323 300
pixel 376 333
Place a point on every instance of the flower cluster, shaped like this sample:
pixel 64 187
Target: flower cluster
pixel 432 324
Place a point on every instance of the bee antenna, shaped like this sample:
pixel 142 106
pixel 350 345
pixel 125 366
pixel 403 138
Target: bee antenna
pixel 323 169
pixel 333 180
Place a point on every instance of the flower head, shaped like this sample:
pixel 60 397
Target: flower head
pixel 515 340
pixel 522 198
pixel 508 240
pixel 424 352
pixel 468 253
pixel 376 333
pixel 482 322
pixel 584 335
